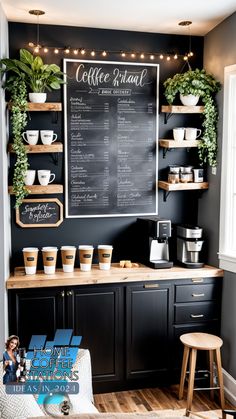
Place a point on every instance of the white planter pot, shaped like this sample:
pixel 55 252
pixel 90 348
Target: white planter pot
pixel 189 100
pixel 37 97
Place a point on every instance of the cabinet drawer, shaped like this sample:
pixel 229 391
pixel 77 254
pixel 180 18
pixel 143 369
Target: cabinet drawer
pixel 203 292
pixel 198 312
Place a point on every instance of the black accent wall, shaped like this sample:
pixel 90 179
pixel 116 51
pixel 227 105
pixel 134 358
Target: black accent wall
pixel 122 232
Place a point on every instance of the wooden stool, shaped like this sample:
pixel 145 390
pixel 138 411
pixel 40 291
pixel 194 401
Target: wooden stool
pixel 203 342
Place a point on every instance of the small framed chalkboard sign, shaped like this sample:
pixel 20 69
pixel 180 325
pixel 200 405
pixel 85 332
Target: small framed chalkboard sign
pixel 39 213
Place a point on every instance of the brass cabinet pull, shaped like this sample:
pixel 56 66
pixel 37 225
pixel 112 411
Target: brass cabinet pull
pixel 69 293
pixel 62 294
pixel 151 286
pixel 196 316
pixel 198 295
pixel 197 279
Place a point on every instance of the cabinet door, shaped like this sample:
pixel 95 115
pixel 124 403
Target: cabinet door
pixel 36 312
pixel 147 330
pixel 96 314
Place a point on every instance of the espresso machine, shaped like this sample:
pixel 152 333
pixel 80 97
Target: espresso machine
pixel 189 246
pixel 154 247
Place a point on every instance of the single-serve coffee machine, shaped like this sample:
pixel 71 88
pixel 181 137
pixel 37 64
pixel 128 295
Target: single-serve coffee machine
pixel 189 246
pixel 154 246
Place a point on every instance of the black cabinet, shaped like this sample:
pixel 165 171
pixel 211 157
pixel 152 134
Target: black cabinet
pixel 36 311
pixel 96 313
pixel 147 333
pixel 132 330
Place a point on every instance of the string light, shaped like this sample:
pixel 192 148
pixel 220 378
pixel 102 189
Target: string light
pixel 37 48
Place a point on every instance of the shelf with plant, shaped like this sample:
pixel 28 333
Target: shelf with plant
pixel 195 84
pixel 27 73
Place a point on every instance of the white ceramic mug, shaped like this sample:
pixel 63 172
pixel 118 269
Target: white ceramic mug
pixel 44 177
pixel 48 137
pixel 29 177
pixel 178 134
pixel 192 134
pixel 31 136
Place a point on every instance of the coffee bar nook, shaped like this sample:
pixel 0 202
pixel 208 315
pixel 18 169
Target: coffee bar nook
pixel 107 242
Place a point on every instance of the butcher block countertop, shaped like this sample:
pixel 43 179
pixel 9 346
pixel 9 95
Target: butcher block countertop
pixel 114 275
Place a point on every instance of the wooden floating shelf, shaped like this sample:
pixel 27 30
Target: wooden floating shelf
pixel 182 109
pixel 41 190
pixel 182 186
pixel 41 148
pixel 178 144
pixel 47 106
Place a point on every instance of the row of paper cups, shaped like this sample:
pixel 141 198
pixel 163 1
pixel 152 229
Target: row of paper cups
pixel 68 254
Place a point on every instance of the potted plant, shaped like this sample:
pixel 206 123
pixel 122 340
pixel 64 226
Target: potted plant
pixel 200 84
pixel 37 75
pixel 28 72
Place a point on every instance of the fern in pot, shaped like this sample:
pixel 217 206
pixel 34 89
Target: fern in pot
pixel 198 84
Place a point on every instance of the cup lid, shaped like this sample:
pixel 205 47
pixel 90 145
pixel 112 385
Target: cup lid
pixel 105 246
pixel 49 249
pixel 68 247
pixel 85 247
pixel 30 249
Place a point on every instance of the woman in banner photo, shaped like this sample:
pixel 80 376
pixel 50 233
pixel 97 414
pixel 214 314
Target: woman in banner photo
pixel 10 363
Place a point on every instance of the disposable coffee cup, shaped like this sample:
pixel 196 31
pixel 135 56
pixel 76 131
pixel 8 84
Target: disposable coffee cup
pixel 104 256
pixel 68 258
pixel 30 259
pixel 49 259
pixel 85 257
pixel 10 363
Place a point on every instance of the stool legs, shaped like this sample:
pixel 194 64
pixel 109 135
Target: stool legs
pixel 183 372
pixel 220 378
pixel 193 357
pixel 211 360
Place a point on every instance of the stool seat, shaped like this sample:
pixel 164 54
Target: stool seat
pixel 201 341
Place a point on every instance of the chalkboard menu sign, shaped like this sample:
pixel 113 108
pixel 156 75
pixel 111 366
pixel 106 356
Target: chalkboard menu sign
pixel 39 213
pixel 110 113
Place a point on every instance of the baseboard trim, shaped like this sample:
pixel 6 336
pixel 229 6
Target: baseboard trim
pixel 229 387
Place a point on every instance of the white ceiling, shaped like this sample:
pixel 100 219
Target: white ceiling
pixel 160 16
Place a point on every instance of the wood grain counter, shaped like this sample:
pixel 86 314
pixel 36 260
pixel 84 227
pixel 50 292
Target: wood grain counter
pixel 114 275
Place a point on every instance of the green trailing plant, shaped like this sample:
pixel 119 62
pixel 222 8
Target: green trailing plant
pixel 19 122
pixel 37 75
pixel 199 83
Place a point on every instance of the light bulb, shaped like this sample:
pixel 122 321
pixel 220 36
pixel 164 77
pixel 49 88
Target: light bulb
pixel 45 49
pixel 175 56
pixel 56 50
pixel 75 51
pixel 142 56
pixel 161 56
pixel 123 54
pixel 82 51
pixel 67 51
pixel 168 58
pixel 93 53
pixel 133 55
pixel 104 53
pixel 152 57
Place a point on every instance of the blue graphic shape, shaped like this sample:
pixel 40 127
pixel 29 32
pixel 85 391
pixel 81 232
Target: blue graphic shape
pixel 76 341
pixel 66 362
pixel 63 337
pixel 49 344
pixel 37 341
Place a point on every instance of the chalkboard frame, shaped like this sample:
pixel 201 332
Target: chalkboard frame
pixel 68 79
pixel 36 201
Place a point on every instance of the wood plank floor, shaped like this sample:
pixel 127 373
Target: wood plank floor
pixel 149 399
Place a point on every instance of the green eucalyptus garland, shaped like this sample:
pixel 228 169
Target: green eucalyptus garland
pixel 207 149
pixel 19 122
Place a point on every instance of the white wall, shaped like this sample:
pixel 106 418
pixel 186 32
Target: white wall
pixel 219 51
pixel 5 244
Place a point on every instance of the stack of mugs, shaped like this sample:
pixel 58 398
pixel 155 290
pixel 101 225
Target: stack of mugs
pixel 68 255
